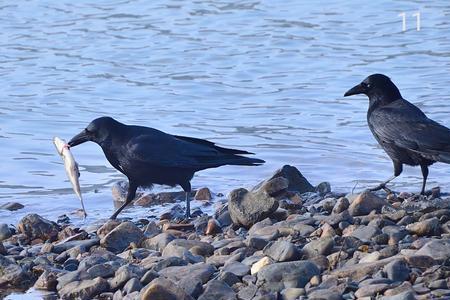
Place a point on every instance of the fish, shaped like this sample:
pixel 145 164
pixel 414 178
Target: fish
pixel 71 167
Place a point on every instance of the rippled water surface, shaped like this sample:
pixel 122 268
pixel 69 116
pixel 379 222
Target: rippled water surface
pixel 265 76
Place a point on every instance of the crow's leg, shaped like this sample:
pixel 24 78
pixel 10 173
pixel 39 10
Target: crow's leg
pixel 187 189
pixel 425 176
pixel 132 187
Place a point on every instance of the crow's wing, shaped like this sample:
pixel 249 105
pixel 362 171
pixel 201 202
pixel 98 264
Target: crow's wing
pixel 169 151
pixel 406 126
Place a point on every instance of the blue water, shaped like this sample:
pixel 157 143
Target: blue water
pixel 265 76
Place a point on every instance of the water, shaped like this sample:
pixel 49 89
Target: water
pixel 265 76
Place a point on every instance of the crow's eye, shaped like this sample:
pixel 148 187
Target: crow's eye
pixel 368 85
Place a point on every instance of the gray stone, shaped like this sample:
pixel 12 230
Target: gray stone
pixel 85 245
pixel 192 287
pixel 296 181
pixel 181 252
pixel 276 277
pixel 163 289
pixel 322 246
pixel 439 250
pixel 201 271
pixel 69 277
pixel 217 290
pixel 121 236
pixel 236 268
pixel 124 274
pixel 13 274
pixel 11 206
pixel 158 242
pixel 341 205
pixel 365 232
pixel 397 270
pixel 247 208
pixel 324 294
pixel 371 290
pixel 5 232
pixel 425 227
pixel 202 248
pixel 406 295
pixel 47 281
pixel 149 276
pixel 282 251
pixel 84 290
pixel 133 285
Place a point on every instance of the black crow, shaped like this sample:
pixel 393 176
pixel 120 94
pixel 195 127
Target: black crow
pixel 148 156
pixel 406 134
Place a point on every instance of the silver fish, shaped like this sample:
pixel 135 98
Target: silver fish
pixel 71 167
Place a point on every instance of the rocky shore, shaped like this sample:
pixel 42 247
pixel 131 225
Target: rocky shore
pixel 284 239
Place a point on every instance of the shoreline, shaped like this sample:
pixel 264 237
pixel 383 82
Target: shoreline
pixel 283 239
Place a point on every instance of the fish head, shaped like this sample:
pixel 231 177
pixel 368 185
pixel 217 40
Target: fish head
pixel 59 144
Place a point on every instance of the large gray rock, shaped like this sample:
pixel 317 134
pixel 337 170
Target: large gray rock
pixel 36 227
pixel 366 202
pixel 437 249
pixel 296 181
pixel 121 236
pixel 12 274
pixel 322 246
pixel 163 289
pixel 5 232
pixel 217 290
pixel 158 242
pixel 282 251
pixel 84 290
pixel 276 277
pixel 200 271
pixel 247 208
pixel 202 248
pixel 397 270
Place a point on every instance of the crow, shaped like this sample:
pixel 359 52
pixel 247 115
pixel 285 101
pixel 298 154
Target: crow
pixel 405 133
pixel 148 156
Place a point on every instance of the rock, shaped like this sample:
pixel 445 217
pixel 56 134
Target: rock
pixel 86 289
pixel 256 242
pixel 282 251
pixel 397 270
pixel 292 293
pixel 341 205
pixel 296 181
pixel 47 281
pixel 420 261
pixel 203 194
pixel 365 232
pixel 425 227
pixel 194 288
pixel 5 232
pixel 202 248
pixel 247 208
pixel 120 237
pixel 84 245
pixel 358 271
pixel 439 250
pixel 163 289
pixel 296 274
pixel 149 276
pixel 133 285
pixel 213 227
pixel 325 294
pixel 406 295
pixel 366 202
pixel 158 242
pixel 11 206
pixel 2 249
pixel 124 274
pixel 173 250
pixel 256 267
pixel 371 290
pixel 178 227
pixel 36 227
pixel 217 290
pixel 107 227
pixel 322 246
pixel 13 274
pixel 236 268
pixel 200 271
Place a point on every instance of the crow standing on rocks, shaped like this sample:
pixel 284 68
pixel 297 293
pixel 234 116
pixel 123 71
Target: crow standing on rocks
pixel 401 128
pixel 148 156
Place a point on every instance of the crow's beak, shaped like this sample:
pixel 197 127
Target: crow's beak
pixel 79 139
pixel 358 89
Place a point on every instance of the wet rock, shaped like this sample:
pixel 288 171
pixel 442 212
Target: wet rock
pixel 149 276
pixel 397 270
pixel 13 275
pixel 85 245
pixel 282 251
pixel 163 289
pixel 133 285
pixel 85 289
pixel 296 274
pixel 203 194
pixel 104 270
pixel 36 227
pixel 200 271
pixel 217 290
pixel 425 228
pixel 296 181
pixel 437 249
pixel 124 274
pixel 107 227
pixel 5 232
pixel 47 281
pixel 2 249
pixel 366 202
pixel 69 277
pixel 192 287
pixel 317 247
pixel 11 206
pixel 120 237
pixel 247 208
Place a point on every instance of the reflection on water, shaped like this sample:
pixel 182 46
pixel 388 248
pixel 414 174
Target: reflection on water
pixel 265 76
